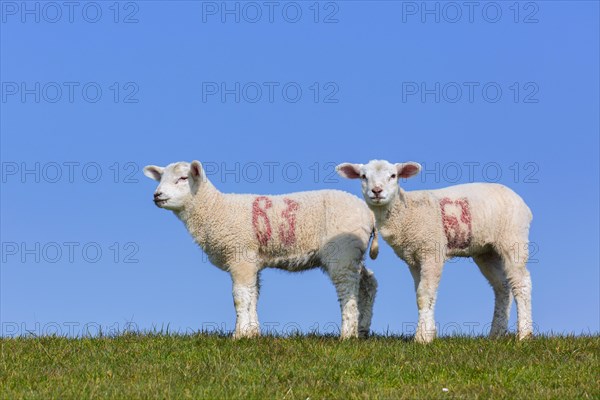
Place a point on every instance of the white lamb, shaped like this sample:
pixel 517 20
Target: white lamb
pixel 245 233
pixel 425 228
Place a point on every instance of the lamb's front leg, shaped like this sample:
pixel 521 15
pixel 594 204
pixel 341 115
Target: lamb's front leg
pixel 427 279
pixel 245 299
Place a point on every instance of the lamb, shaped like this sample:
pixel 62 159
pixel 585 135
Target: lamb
pixel 425 228
pixel 244 233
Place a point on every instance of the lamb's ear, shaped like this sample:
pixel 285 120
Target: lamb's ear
pixel 153 172
pixel 408 169
pixel 348 170
pixel 196 172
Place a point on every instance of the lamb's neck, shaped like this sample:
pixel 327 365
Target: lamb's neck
pixel 395 210
pixel 200 211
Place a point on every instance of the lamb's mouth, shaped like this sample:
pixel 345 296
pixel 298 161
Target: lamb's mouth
pixel 160 202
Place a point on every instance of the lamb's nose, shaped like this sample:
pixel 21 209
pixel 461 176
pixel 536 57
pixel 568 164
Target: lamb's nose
pixel 157 195
pixel 377 190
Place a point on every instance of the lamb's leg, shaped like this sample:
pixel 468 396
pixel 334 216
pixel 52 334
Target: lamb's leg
pixel 346 277
pixel 245 298
pixel 427 279
pixel 520 284
pixel 366 298
pixel 491 266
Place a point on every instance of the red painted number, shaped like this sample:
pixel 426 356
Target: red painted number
pixel 262 230
pixel 262 225
pixel 288 236
pixel 456 218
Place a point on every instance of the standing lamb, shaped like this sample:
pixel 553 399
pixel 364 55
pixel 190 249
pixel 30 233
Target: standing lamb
pixel 425 228
pixel 245 233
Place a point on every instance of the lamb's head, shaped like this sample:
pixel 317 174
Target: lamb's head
pixel 379 178
pixel 178 182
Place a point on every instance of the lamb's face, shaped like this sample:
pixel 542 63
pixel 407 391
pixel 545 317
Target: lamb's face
pixel 379 178
pixel 174 187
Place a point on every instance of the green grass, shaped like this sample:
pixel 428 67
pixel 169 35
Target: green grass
pixel 217 367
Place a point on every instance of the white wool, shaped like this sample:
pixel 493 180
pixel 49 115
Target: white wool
pixel 245 233
pixel 425 228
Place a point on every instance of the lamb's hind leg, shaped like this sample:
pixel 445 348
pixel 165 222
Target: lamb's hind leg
pixel 520 284
pixel 344 271
pixel 366 298
pixel 491 266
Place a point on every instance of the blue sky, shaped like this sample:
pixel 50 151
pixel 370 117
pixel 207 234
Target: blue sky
pixel 270 103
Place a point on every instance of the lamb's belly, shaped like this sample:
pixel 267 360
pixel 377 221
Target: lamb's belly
pixel 293 263
pixel 475 248
pixel 459 253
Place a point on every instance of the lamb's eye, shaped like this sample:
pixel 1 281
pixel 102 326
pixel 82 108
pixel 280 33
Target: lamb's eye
pixel 363 177
pixel 183 178
pixel 393 176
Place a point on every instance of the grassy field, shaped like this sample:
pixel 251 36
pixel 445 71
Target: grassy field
pixel 316 367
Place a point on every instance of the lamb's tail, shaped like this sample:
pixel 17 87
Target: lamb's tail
pixel 374 251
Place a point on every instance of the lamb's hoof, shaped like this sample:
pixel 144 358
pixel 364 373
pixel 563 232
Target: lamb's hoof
pixel 246 334
pixel 525 336
pixel 424 337
pixel 498 334
pixel 348 335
